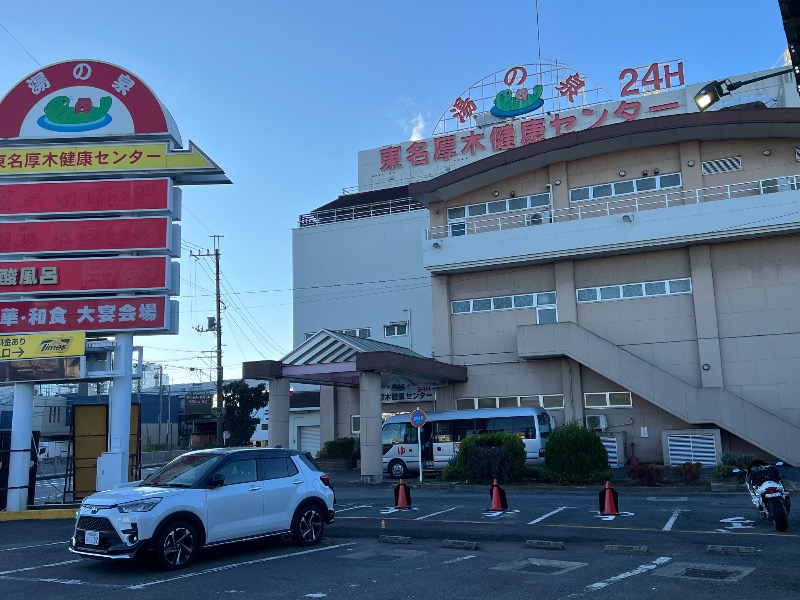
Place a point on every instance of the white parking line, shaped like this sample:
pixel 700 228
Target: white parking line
pixel 33 546
pixel 672 519
pixel 141 586
pixel 436 513
pixel 341 510
pixel 58 564
pixel 550 514
pixel 637 571
pixel 459 559
pixel 61 581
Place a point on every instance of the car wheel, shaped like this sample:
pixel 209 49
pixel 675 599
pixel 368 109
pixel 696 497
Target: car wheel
pixel 308 525
pixel 398 469
pixel 177 545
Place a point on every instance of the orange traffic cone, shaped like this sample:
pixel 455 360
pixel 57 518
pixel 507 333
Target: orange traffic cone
pixel 608 500
pixel 402 496
pixel 498 496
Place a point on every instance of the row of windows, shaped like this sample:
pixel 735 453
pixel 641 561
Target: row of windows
pixel 546 401
pixel 544 302
pixel 497 206
pixel 627 186
pixel 635 290
pixel 391 330
pixel 607 400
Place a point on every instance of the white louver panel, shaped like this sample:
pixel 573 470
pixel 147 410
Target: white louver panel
pixel 692 448
pixel 722 165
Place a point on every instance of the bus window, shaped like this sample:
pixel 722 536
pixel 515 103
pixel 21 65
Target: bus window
pixel 461 429
pixel 398 433
pixel 545 426
pixel 442 431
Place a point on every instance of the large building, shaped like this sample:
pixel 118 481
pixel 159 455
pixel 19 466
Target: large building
pixel 631 263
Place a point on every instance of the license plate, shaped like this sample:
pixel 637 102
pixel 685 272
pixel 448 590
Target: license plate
pixel 92 538
pixel 775 495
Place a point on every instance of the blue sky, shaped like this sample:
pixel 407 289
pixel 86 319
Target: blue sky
pixel 283 96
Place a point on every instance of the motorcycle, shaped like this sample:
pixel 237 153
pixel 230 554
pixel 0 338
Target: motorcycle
pixel 763 481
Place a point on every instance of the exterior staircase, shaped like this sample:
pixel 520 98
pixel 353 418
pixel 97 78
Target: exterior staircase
pixel 691 404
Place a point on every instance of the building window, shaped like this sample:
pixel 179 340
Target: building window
pixel 626 291
pixel 457 216
pixel 607 400
pixel 543 302
pixel 395 329
pixel 546 401
pixel 355 424
pixel 621 188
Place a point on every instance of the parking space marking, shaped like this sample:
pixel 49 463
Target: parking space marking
pixel 33 546
pixel 341 510
pixel 672 519
pixel 436 513
pixel 58 564
pixel 637 571
pixel 550 514
pixel 667 499
pixel 459 559
pixel 140 586
pixel 61 581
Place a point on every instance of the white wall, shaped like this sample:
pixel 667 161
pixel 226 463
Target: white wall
pixel 333 263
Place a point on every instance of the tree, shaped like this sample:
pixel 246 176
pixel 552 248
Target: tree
pixel 241 402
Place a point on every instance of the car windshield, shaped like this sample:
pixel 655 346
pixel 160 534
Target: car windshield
pixel 184 471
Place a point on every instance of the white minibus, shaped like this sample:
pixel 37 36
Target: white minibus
pixel 443 432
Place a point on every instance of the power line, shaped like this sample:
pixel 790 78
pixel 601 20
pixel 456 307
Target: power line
pixel 20 44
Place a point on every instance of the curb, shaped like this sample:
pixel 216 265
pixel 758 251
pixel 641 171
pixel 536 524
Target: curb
pixel 39 515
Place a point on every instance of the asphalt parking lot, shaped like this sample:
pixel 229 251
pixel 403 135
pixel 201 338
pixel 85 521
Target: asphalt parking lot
pixel 665 543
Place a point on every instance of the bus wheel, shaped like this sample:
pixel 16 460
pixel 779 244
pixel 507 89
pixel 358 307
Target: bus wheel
pixel 398 469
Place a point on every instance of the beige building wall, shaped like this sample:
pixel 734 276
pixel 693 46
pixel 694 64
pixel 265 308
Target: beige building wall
pixel 744 321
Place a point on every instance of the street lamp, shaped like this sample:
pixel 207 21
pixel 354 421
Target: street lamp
pixel 711 93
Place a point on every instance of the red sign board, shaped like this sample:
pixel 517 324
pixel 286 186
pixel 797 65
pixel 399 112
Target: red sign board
pixel 117 196
pixel 89 235
pixel 114 313
pixel 59 276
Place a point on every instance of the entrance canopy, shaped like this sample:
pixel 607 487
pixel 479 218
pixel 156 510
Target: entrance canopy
pixel 329 358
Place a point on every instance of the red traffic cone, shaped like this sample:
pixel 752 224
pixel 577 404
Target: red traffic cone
pixel 402 496
pixel 609 500
pixel 498 496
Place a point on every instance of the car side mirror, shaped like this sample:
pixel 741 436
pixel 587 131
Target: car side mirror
pixel 217 480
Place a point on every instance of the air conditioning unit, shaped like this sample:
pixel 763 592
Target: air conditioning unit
pixel 596 422
pixel 538 218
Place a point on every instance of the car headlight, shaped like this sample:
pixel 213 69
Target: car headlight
pixel 140 506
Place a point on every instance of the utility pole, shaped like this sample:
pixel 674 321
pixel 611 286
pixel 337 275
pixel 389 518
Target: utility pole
pixel 217 328
pixel 160 400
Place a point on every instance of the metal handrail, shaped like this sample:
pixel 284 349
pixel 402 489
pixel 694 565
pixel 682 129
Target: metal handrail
pixel 587 210
pixel 365 211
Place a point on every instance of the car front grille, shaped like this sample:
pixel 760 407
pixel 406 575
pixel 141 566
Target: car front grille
pixel 95 524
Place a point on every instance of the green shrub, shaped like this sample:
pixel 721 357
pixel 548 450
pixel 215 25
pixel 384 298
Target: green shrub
pixel 688 472
pixel 483 458
pixel 724 472
pixel 344 447
pixel 576 455
pixel 651 475
pixel 734 459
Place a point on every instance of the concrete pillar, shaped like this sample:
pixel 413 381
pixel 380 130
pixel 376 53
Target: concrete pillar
pixel 19 461
pixel 279 412
pixel 370 409
pixel 566 301
pixel 119 409
pixel 442 335
pixel 327 414
pixel 705 317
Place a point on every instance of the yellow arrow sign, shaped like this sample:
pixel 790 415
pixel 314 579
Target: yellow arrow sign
pixel 127 158
pixel 42 345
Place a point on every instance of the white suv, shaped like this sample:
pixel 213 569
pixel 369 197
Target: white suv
pixel 205 498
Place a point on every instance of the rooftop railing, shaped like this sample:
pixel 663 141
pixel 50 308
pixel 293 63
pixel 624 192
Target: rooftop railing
pixel 594 208
pixel 366 211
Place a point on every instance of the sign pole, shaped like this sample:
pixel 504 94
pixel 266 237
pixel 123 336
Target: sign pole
pixel 20 455
pixel 417 419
